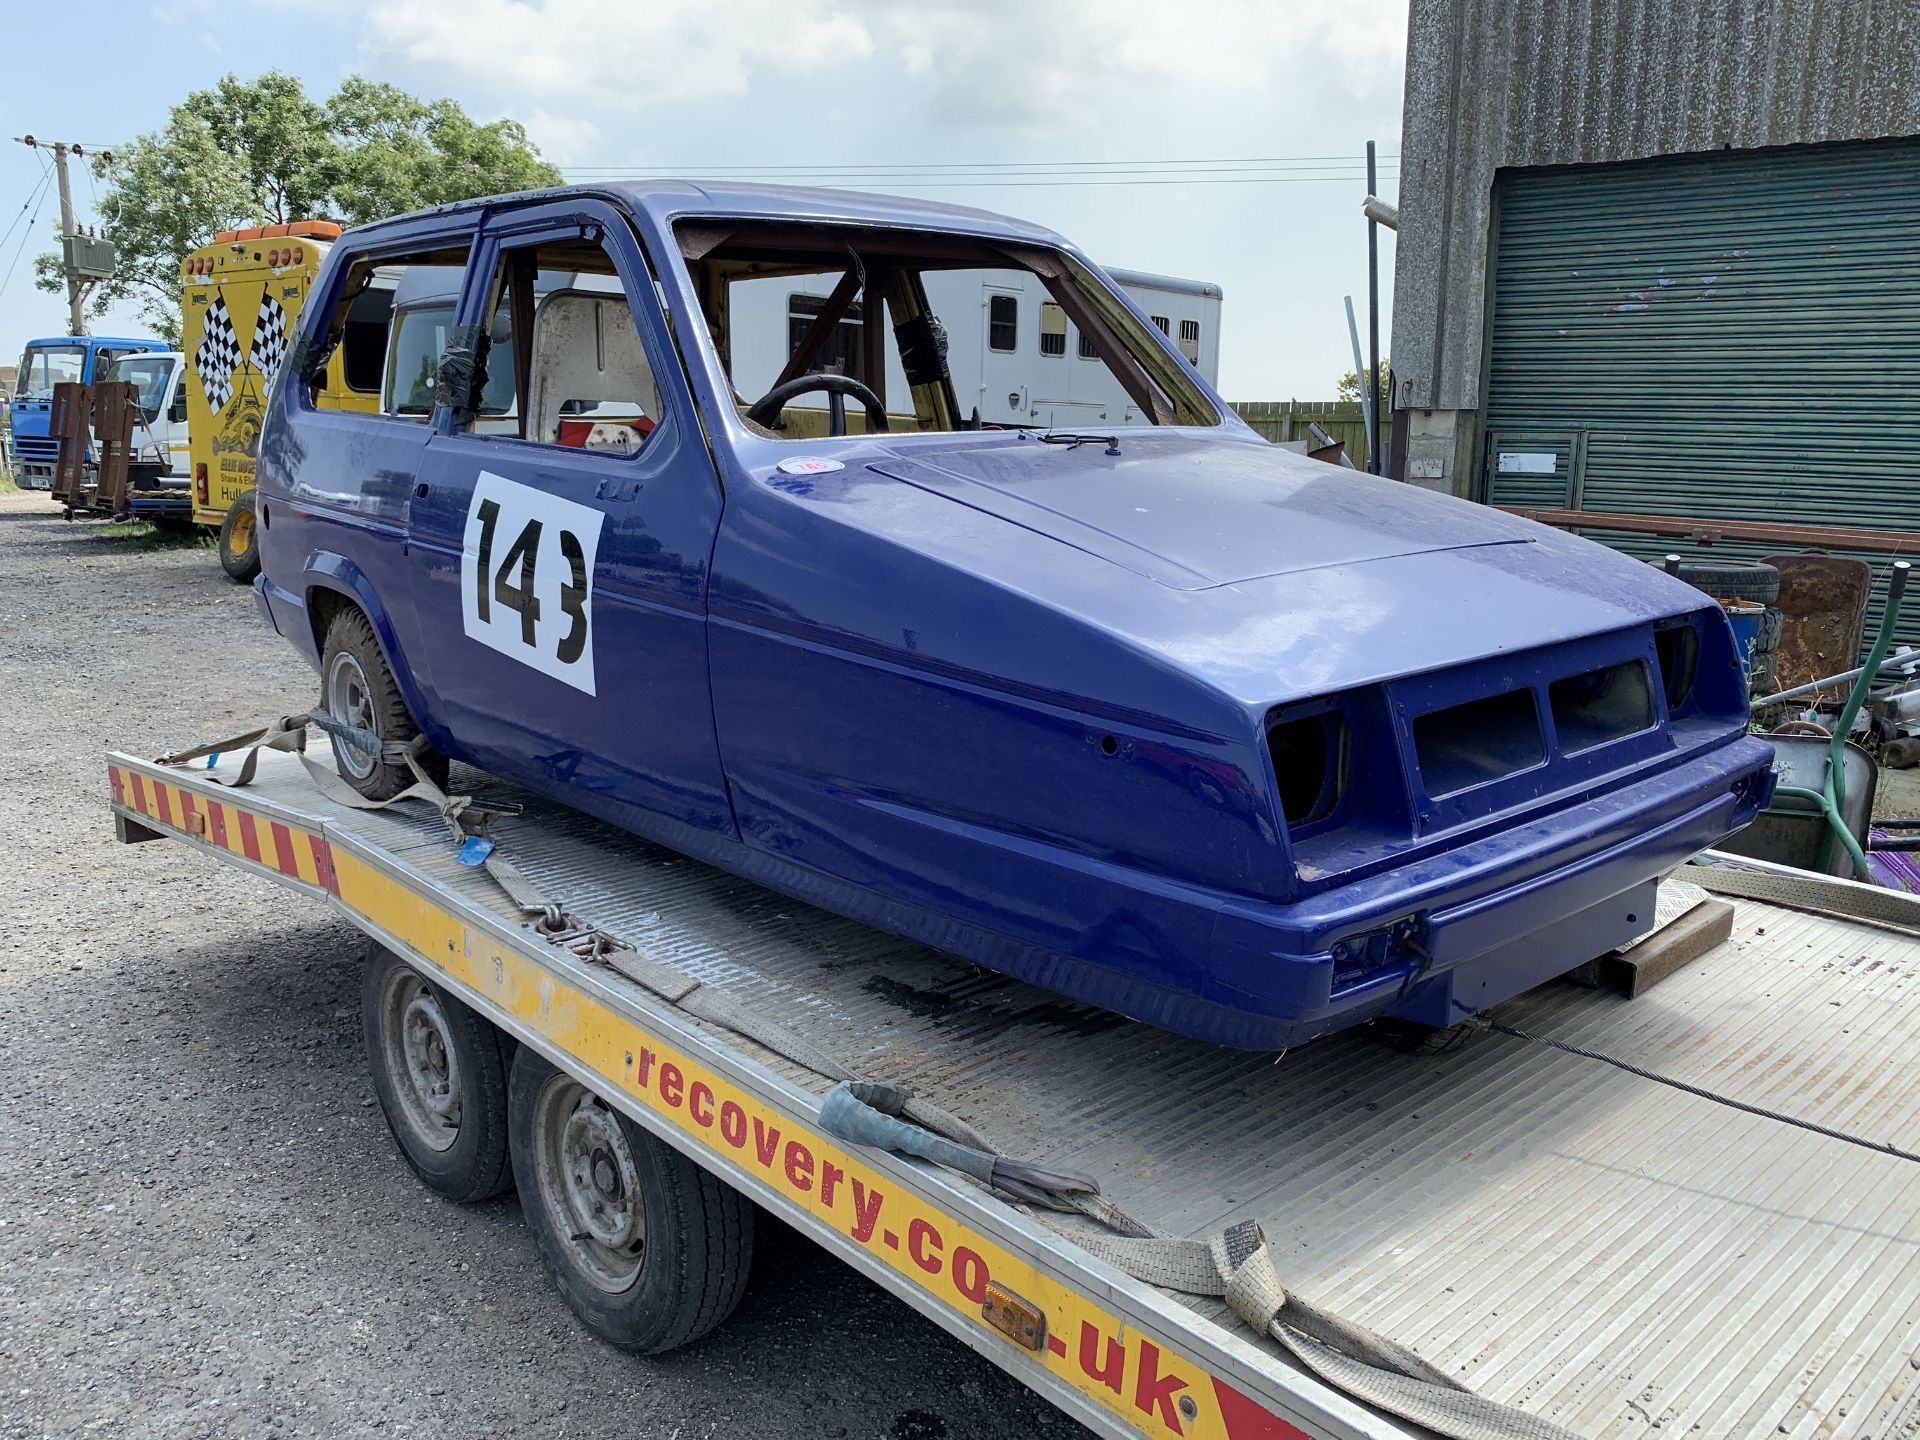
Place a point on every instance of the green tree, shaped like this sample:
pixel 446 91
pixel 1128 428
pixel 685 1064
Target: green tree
pixel 1349 386
pixel 263 152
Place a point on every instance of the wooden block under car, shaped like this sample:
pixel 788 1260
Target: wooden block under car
pixel 1689 924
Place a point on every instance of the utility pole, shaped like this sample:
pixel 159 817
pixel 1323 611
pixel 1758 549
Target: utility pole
pixel 83 259
pixel 1373 325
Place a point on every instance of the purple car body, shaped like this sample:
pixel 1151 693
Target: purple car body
pixel 1185 726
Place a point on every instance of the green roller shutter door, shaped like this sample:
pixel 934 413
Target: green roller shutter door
pixel 1733 335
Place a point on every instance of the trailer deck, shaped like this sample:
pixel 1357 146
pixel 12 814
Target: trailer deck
pixel 1602 1251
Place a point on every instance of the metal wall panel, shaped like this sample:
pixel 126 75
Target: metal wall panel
pixel 1495 83
pixel 1733 335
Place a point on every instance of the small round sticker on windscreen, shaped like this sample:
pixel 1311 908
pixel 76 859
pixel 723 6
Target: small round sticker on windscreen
pixel 809 465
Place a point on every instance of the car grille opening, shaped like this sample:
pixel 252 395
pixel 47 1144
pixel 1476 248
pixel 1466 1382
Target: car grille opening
pixel 1606 704
pixel 1676 646
pixel 1487 739
pixel 1310 763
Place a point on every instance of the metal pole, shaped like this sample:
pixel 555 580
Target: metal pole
pixel 76 292
pixel 76 323
pixel 1366 397
pixel 1373 327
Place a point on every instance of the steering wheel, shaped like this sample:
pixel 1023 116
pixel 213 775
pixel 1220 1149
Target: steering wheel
pixel 766 409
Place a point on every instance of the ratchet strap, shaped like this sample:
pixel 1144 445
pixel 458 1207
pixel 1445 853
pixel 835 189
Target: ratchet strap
pixel 1235 1264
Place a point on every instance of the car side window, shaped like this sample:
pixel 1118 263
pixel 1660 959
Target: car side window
pixel 391 320
pixel 565 339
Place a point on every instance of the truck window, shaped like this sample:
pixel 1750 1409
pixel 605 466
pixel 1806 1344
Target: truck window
pixel 149 375
pixel 559 308
pixel 44 366
pixel 1053 329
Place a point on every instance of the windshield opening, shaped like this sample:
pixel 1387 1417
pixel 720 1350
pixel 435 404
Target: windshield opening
pixel 938 332
pixel 44 366
pixel 149 375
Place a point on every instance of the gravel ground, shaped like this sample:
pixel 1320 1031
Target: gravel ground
pixel 205 1229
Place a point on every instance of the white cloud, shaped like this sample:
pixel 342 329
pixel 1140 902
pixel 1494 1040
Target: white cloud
pixel 1069 64
pixel 562 139
pixel 1001 64
pixel 612 51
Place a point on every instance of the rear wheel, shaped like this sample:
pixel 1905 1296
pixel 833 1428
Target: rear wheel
pixel 648 1249
pixel 240 541
pixel 438 1071
pixel 358 689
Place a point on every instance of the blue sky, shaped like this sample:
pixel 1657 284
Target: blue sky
pixel 1018 91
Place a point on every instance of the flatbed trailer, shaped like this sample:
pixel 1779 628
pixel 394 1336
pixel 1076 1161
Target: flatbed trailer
pixel 1601 1251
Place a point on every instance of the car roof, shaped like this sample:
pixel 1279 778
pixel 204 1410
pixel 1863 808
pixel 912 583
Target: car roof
pixel 670 200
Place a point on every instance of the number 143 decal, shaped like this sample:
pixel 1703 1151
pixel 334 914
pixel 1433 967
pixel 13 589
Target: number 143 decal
pixel 526 577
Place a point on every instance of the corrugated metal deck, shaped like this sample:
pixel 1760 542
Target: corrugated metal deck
pixel 1621 1258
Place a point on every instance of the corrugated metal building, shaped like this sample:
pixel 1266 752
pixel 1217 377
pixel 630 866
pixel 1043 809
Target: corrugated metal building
pixel 1664 259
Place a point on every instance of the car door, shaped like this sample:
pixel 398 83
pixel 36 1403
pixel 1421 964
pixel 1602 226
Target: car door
pixel 560 545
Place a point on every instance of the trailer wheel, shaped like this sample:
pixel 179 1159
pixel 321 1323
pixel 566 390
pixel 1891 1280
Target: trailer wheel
pixel 357 687
pixel 437 1070
pixel 648 1249
pixel 240 541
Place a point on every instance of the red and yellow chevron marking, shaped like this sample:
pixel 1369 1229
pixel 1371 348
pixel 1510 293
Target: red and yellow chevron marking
pixel 287 849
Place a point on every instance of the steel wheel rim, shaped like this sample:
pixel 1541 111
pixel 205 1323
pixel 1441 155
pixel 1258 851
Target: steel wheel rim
pixel 240 536
pixel 589 1185
pixel 417 1046
pixel 350 701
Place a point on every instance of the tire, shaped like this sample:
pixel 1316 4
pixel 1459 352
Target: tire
pixel 240 541
pixel 1733 579
pixel 649 1250
pixel 356 686
pixel 437 1070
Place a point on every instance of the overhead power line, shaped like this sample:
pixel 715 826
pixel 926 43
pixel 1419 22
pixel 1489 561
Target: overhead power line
pixel 977 165
pixel 26 234
pixel 910 182
pixel 46 175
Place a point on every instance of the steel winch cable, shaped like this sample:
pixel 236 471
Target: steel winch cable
pixel 1879 1147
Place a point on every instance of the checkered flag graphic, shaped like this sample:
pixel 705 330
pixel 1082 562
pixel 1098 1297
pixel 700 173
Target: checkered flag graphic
pixel 269 345
pixel 217 355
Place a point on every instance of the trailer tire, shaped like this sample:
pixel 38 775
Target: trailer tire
pixel 437 1071
pixel 240 541
pixel 649 1250
pixel 357 686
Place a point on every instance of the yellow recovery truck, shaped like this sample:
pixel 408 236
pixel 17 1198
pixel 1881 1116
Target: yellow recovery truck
pixel 240 301
pixel 644 1045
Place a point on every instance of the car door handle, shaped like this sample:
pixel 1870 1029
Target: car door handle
pixel 420 490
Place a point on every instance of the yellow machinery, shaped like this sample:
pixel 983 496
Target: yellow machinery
pixel 240 302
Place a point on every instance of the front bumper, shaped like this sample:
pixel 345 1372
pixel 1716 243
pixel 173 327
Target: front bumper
pixel 1440 941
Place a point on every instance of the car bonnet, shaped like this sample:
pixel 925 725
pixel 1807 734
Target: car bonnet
pixel 1191 512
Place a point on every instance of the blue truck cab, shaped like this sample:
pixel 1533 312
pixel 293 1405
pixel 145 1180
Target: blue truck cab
pixel 1159 716
pixel 44 364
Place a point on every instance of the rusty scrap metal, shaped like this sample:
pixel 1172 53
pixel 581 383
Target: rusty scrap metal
pixel 1708 531
pixel 67 423
pixel 115 404
pixel 1823 611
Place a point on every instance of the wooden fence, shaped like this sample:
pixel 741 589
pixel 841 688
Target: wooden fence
pixel 1288 420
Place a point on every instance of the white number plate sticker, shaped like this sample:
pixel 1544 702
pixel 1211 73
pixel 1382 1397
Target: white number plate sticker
pixel 526 577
